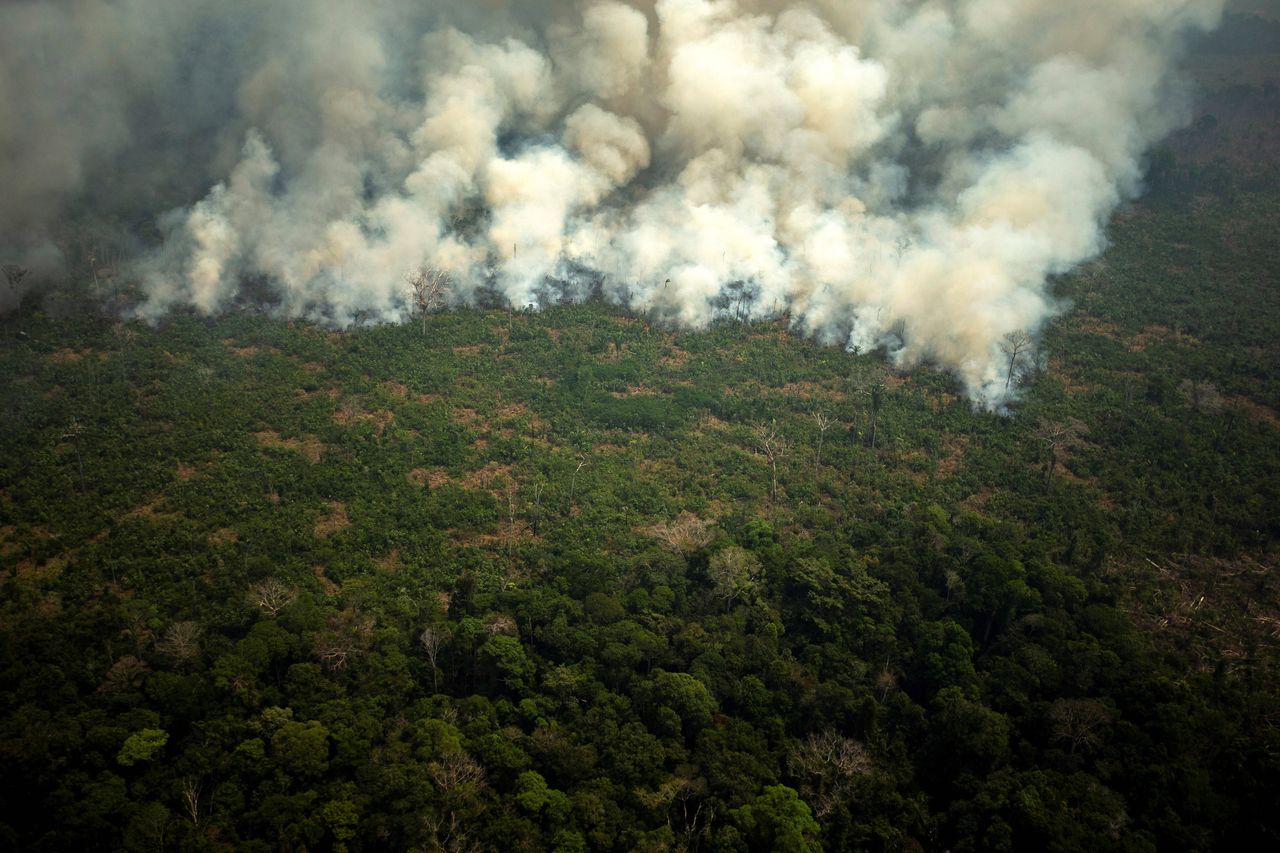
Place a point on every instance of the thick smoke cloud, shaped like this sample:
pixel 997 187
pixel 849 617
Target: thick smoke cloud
pixel 886 172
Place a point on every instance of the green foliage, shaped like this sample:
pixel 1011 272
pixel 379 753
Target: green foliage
pixel 778 821
pixel 212 636
pixel 142 746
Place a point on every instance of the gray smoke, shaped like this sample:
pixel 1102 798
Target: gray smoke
pixel 888 173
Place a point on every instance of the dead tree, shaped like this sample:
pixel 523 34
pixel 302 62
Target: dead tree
pixel 573 480
pixel 433 639
pixel 1057 437
pixel 192 787
pixel 684 536
pixel 272 596
pixel 774 446
pixel 181 641
pixel 429 287
pixel 824 422
pixel 828 765
pixel 735 572
pixel 1016 346
pixel 74 432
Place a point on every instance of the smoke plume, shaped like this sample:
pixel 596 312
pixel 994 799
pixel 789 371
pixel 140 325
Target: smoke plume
pixel 887 173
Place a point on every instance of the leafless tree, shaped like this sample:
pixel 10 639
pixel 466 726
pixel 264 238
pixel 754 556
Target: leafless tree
pixel 1057 437
pixel 735 572
pixel 774 446
pixel 429 287
pixel 1016 346
pixel 272 596
pixel 191 789
pixel 1079 722
pixel 75 430
pixel 824 422
pixel 181 641
pixel 573 481
pixel 684 536
pixel 433 639
pixel 828 764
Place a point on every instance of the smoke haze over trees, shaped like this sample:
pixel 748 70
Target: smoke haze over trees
pixel 890 174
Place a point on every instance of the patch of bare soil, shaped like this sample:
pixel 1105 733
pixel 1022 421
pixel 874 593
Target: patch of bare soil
pixel 484 478
pixel 509 533
pixel 185 472
pixel 808 390
pixel 348 415
pixel 49 570
pixel 150 511
pixel 1095 326
pixel 329 587
pixel 471 350
pixel 396 389
pixel 1158 334
pixel 636 391
pixel 336 520
pixel 512 410
pixel 464 415
pixel 309 446
pixel 607 448
pixel 674 359
pixel 433 477
pixel 224 536
pixel 1256 411
pixel 949 463
pixel 65 356
pixel 389 563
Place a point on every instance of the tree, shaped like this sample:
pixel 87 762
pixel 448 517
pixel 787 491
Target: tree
pixel 684 536
pixel 573 480
pixel 142 746
pixel 1057 437
pixel 824 422
pixel 272 596
pixel 429 287
pixel 774 446
pixel 874 389
pixel 181 641
pixel 190 792
pixel 735 573
pixel 1016 346
pixel 433 639
pixel 1079 722
pixel 346 635
pixel 828 763
pixel 75 431
pixel 778 821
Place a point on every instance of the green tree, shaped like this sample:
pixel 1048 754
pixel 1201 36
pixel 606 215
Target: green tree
pixel 778 821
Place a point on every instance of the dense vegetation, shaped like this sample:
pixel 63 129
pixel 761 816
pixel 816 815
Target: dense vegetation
pixel 568 581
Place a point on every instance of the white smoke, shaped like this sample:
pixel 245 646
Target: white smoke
pixel 885 172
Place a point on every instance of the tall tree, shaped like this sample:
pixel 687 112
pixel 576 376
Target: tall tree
pixel 1017 347
pixel 429 287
